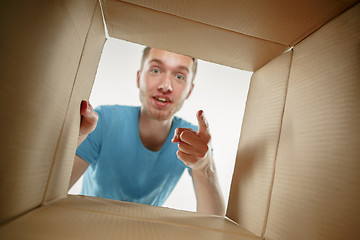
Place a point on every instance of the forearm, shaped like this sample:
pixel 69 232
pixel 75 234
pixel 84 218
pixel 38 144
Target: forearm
pixel 207 190
pixel 195 152
pixel 79 165
pixel 89 119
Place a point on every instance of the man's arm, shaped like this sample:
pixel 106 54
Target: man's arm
pixel 88 123
pixel 79 167
pixel 195 152
pixel 207 190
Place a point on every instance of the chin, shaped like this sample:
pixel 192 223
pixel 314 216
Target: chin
pixel 161 114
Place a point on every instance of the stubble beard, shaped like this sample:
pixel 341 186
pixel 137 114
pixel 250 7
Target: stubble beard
pixel 155 113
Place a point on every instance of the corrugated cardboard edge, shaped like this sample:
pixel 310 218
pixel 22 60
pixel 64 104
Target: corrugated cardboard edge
pixel 225 49
pixel 295 42
pixel 257 150
pixel 215 14
pixel 341 229
pixel 45 200
pixel 277 150
pixel 41 49
pixel 118 219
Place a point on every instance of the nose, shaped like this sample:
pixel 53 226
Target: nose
pixel 165 84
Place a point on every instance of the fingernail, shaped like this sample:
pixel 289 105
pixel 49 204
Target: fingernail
pixel 202 116
pixel 174 137
pixel 83 104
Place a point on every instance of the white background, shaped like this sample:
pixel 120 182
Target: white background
pixel 220 91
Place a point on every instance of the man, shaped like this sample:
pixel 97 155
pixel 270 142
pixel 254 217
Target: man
pixel 129 153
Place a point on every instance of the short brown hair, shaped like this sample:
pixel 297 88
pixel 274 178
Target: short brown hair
pixel 146 54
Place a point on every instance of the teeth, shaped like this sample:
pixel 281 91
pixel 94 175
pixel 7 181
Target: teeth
pixel 162 99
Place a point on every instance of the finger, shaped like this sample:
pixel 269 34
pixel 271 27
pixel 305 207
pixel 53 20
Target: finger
pixel 186 148
pixel 203 130
pixel 83 107
pixel 198 151
pixel 88 113
pixel 189 136
pixel 187 159
pixel 177 133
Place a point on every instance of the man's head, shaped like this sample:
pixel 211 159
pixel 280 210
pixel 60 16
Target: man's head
pixel 146 52
pixel 165 81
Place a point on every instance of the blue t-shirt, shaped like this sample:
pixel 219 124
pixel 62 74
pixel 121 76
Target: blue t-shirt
pixel 121 167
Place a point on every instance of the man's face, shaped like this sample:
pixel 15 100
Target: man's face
pixel 165 81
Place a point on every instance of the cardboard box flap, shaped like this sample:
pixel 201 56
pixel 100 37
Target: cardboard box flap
pixel 40 54
pixel 316 192
pixel 80 19
pixel 243 34
pixel 256 155
pixel 59 178
pixel 80 217
pixel 280 21
pixel 166 31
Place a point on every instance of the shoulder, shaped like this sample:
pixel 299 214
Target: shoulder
pixel 179 122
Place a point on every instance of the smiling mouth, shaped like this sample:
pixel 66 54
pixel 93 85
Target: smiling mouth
pixel 160 99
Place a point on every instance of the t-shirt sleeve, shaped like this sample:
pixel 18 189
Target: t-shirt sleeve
pixel 89 149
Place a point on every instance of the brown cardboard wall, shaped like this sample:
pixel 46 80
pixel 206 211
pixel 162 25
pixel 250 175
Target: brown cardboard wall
pixel 202 40
pixel 316 192
pixel 41 50
pixel 254 168
pixel 62 166
pixel 316 181
pixel 244 34
pixel 280 21
pixel 78 217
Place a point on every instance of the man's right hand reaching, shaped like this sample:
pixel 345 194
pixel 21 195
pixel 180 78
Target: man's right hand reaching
pixel 88 122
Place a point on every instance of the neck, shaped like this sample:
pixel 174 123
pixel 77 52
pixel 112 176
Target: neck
pixel 153 133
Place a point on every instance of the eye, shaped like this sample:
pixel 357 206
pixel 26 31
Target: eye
pixel 180 76
pixel 155 70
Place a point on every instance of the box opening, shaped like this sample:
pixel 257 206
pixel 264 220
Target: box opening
pixel 220 91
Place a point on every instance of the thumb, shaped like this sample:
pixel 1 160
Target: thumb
pixel 203 130
pixel 88 112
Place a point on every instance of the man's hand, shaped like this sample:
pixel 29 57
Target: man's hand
pixel 88 122
pixel 89 119
pixel 194 147
pixel 195 152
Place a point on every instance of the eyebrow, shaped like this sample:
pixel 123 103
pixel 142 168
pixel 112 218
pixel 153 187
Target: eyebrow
pixel 181 67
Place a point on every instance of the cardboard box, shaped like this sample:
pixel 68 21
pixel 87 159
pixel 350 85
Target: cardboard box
pixel 297 172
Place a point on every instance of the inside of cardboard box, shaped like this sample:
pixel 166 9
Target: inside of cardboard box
pixel 313 191
pixel 219 90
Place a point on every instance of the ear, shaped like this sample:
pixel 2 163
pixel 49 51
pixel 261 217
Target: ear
pixel 190 91
pixel 138 79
